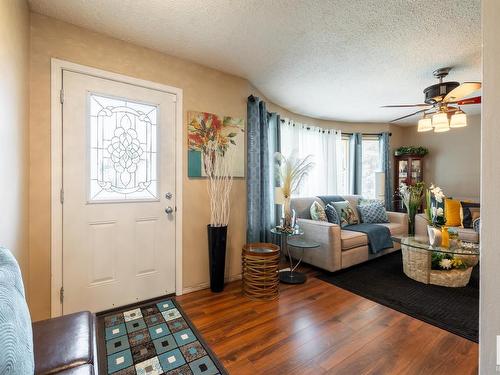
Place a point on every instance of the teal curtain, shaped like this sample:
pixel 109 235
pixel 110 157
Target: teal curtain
pixel 386 168
pixel 262 143
pixel 356 158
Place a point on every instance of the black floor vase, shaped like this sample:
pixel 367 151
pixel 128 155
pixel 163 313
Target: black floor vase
pixel 217 256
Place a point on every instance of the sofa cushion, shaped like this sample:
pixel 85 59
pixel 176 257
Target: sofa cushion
pixel 64 342
pixel 350 239
pixel 468 235
pixel 16 338
pixel 396 228
pixel 302 206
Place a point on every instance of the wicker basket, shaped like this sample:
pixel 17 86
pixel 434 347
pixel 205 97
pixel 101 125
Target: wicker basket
pixel 417 266
pixel 260 271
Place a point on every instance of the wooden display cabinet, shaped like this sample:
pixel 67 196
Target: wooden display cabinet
pixel 408 169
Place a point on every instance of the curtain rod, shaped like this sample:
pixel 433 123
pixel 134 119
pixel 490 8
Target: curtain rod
pixel 390 134
pixel 379 134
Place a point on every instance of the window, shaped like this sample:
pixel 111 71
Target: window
pixel 324 146
pixel 123 150
pixel 371 163
pixel 332 158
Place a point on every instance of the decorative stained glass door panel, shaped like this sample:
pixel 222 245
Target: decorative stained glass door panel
pixel 123 149
pixel 118 165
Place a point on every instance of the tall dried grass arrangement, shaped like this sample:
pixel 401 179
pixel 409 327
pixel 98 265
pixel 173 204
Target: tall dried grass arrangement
pixel 219 184
pixel 291 172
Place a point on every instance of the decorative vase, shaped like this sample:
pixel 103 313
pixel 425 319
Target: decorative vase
pixel 217 238
pixel 445 237
pixel 434 235
pixel 287 212
pixel 412 212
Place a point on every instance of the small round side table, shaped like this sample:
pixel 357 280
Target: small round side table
pixel 260 270
pixel 293 277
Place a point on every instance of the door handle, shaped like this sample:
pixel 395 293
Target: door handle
pixel 169 210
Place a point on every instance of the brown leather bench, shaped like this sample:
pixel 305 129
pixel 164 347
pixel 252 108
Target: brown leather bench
pixel 66 345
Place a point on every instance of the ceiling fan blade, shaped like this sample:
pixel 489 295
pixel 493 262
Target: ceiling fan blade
pixel 462 91
pixel 474 100
pixel 412 114
pixel 406 105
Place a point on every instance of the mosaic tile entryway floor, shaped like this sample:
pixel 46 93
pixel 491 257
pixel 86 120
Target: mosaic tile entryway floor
pixel 152 339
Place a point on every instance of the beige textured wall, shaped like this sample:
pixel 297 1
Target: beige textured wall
pixel 204 90
pixel 489 322
pixel 14 83
pixel 454 159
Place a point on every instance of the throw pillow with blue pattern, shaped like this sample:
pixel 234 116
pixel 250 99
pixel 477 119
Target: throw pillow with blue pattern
pixel 476 224
pixel 331 214
pixel 373 213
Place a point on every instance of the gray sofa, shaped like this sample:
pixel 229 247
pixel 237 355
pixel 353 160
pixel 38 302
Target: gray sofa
pixel 465 234
pixel 339 248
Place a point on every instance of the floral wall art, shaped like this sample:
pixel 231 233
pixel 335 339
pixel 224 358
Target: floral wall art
pixel 208 132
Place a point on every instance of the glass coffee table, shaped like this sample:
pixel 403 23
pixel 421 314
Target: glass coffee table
pixel 437 265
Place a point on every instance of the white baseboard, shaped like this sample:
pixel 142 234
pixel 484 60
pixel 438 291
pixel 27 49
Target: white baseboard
pixel 206 285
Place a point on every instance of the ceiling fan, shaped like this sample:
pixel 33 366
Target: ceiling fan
pixel 441 107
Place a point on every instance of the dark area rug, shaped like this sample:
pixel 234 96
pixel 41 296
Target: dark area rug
pixel 153 338
pixel 382 280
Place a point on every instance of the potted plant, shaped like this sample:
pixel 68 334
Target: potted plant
pixel 411 195
pixel 411 150
pixel 290 172
pixel 219 184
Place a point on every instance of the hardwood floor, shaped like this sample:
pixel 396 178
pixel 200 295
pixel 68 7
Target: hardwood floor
pixel 318 328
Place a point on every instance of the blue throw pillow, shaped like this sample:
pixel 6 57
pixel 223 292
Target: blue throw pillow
pixel 373 213
pixel 476 225
pixel 332 215
pixel 16 336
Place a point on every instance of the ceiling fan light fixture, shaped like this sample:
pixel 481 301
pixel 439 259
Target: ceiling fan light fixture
pixel 458 119
pixel 424 124
pixel 440 122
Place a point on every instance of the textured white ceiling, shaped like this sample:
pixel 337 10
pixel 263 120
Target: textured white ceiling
pixel 338 59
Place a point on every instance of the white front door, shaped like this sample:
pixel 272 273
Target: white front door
pixel 118 193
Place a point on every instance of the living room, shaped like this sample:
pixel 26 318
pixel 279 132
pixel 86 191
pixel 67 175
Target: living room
pixel 87 88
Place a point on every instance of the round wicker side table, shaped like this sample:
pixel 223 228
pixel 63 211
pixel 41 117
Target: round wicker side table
pixel 260 264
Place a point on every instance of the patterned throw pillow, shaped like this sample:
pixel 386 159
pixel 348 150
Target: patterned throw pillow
pixel 345 212
pixel 331 214
pixel 476 224
pixel 373 213
pixel 317 212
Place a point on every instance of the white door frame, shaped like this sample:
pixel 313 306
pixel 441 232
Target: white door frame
pixel 56 251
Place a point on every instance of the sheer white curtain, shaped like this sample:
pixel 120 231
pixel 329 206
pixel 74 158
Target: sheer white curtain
pixel 325 146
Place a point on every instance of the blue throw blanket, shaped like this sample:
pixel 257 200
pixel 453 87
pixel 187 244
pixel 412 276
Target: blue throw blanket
pixel 379 236
pixel 331 198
